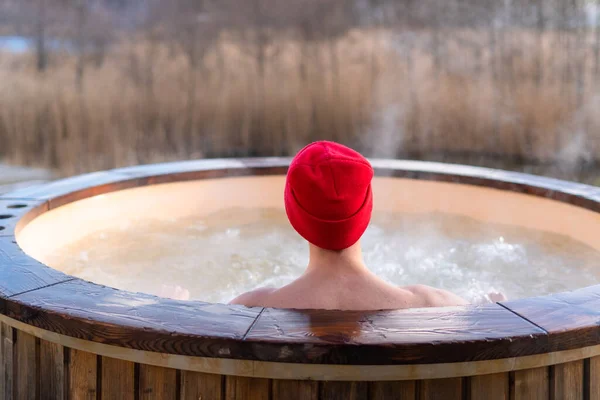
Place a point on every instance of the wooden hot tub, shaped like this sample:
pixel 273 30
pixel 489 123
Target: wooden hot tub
pixel 65 338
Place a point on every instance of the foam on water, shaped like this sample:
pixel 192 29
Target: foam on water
pixel 219 256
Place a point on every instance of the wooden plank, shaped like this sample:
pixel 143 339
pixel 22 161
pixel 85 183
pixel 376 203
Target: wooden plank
pixel 337 390
pixel 117 379
pixel 595 378
pixel 401 390
pixel 568 381
pixel 6 363
pixel 71 308
pixel 489 387
pixel 157 383
pixel 20 273
pixel 241 388
pixel 284 389
pixel 531 384
pixel 570 318
pixel 83 372
pixel 196 385
pixel 461 334
pixel 26 384
pixel 52 373
pixel 441 389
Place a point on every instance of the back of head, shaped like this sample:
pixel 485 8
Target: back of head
pixel 328 196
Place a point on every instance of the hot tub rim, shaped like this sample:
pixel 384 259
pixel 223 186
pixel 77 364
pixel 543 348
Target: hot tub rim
pixel 540 331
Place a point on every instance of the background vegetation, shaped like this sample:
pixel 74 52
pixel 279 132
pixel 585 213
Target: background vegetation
pixel 105 83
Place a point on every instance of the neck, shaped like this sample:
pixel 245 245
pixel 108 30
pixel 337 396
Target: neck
pixel 347 260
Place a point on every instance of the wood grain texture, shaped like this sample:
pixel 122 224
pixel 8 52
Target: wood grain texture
pixel 157 383
pixel 387 337
pixel 240 388
pixel 567 381
pixel 570 318
pixel 196 385
pixel 91 312
pixel 489 387
pixel 83 372
pixel 400 390
pixel 441 389
pixel 26 383
pixel 595 378
pixel 118 379
pixel 295 390
pixel 531 384
pixel 331 390
pixel 52 371
pixel 6 362
pixel 20 273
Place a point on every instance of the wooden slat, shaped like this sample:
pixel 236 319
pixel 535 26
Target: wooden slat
pixel 344 390
pixel 6 363
pixel 70 308
pixel 531 384
pixel 240 388
pixel 441 389
pixel 196 385
pixel 295 390
pixel 20 273
pixel 595 378
pixel 26 379
pixel 568 317
pixel 52 371
pixel 401 390
pixel 489 387
pixel 157 383
pixel 568 381
pixel 445 327
pixel 117 379
pixel 83 372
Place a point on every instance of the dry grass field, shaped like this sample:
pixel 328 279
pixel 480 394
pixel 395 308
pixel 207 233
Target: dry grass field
pixel 516 94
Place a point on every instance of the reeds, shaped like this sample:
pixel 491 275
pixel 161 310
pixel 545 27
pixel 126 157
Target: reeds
pixel 520 94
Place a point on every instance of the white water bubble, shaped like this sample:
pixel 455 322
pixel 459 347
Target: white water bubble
pixel 219 256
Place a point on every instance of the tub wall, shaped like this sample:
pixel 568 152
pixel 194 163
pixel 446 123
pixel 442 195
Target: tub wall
pixel 32 368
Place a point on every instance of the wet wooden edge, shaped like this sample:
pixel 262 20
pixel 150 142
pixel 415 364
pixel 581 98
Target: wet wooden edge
pixel 565 337
pixel 276 370
pixel 414 336
pixel 139 321
pixel 19 272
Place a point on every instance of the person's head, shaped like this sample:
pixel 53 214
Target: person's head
pixel 328 197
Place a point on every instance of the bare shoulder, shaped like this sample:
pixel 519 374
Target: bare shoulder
pixel 432 297
pixel 253 298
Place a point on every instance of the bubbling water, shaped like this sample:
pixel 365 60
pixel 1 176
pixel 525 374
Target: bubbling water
pixel 219 256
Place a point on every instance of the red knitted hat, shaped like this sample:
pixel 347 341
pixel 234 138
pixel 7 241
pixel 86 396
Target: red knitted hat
pixel 328 197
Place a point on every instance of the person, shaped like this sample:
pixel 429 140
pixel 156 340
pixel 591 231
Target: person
pixel 328 200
